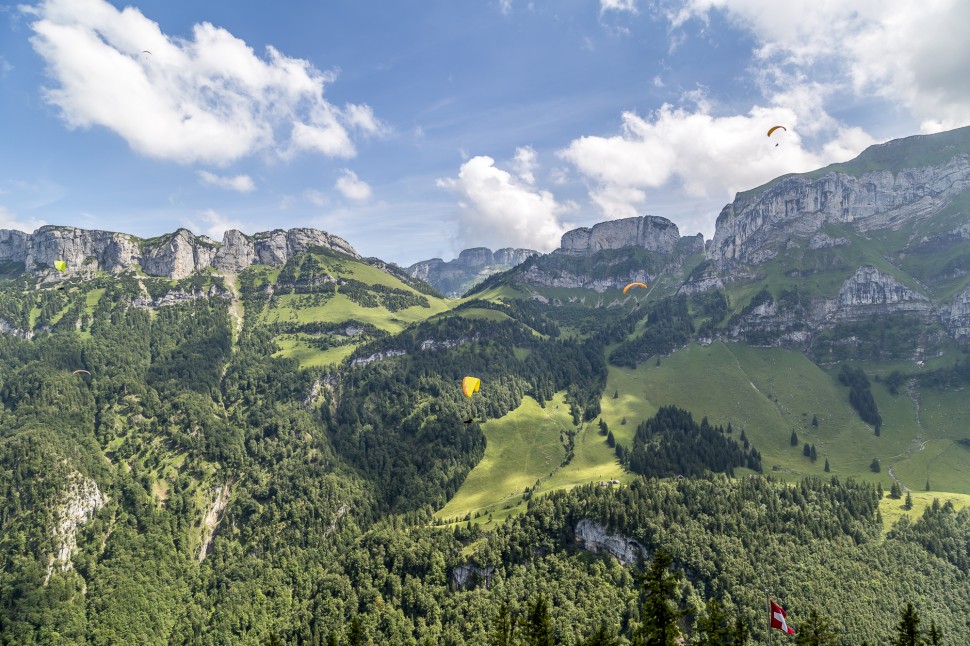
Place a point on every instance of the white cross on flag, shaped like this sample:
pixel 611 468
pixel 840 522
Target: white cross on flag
pixel 778 619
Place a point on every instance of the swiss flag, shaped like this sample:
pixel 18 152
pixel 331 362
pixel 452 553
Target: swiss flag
pixel 778 618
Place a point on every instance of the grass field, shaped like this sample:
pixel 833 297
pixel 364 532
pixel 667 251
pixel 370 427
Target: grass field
pixel 523 447
pixel 892 509
pixel 768 392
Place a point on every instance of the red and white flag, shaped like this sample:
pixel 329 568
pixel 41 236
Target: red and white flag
pixel 778 615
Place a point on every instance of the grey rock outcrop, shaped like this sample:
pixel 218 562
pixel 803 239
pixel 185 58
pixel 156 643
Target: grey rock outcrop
pixel 868 287
pixel 647 231
pixel 757 224
pixel 593 537
pixel 472 266
pixel 465 575
pixel 81 500
pixel 175 255
pixel 955 315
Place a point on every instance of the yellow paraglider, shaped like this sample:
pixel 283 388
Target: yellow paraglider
pixel 60 265
pixel 470 385
pixel 773 128
pixel 627 288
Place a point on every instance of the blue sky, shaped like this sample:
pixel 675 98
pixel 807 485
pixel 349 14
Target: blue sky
pixel 415 130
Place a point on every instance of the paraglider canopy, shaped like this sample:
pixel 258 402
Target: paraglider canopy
pixel 84 371
pixel 773 128
pixel 60 265
pixel 627 288
pixel 470 385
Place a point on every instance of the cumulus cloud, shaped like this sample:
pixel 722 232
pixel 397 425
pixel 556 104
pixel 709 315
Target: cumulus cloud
pixel 241 183
pixel 525 163
pixel 9 221
pixel 913 54
pixel 352 187
pixel 703 154
pixel 213 224
pixel 208 98
pixel 499 210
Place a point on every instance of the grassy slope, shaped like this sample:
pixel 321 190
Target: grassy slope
pixel 524 447
pixel 286 308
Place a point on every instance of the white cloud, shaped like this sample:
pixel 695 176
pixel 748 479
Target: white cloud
pixel 352 187
pixel 618 5
pixel 497 210
pixel 525 164
pixel 213 224
pixel 5 67
pixel 241 183
pixel 505 6
pixel 208 98
pixel 9 221
pixel 913 54
pixel 702 154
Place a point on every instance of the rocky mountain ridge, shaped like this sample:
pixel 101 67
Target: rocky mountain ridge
pixel 454 277
pixel 175 255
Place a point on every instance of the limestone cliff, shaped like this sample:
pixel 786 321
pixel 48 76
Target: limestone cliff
pixel 80 501
pixel 455 277
pixel 647 231
pixel 175 255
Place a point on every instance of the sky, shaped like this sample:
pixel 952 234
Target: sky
pixel 417 129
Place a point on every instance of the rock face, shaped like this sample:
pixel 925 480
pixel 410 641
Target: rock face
pixel 870 288
pixel 81 501
pixel 174 255
pixel 466 575
pixel 593 537
pixel 472 266
pixel 753 227
pixel 647 231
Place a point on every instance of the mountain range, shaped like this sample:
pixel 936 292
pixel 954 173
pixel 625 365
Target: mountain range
pixel 263 439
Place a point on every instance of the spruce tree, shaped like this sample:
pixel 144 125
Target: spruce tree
pixel 895 491
pixel 794 438
pixel 814 421
pixel 356 637
pixel 909 501
pixel 807 450
pixel 659 614
pixel 503 627
pixel 741 633
pixel 537 630
pixel 604 636
pixel 815 631
pixel 934 637
pixel 812 454
pixel 875 467
pixel 827 465
pixel 907 630
pixel 714 628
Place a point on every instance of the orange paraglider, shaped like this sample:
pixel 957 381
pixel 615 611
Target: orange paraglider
pixel 627 288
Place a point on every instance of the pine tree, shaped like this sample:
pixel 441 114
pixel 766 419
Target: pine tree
pixel 616 394
pixel 741 633
pixel 909 501
pixel 356 637
pixel 827 466
pixel 332 640
pixel 503 627
pixel 875 466
pixel 815 631
pixel 934 637
pixel 807 450
pixel 604 636
pixel 813 454
pixel 537 630
pixel 814 421
pixel 794 438
pixel 714 628
pixel 610 440
pixel 907 631
pixel 895 492
pixel 659 614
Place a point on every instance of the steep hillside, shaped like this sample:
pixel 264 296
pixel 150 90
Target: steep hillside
pixel 471 267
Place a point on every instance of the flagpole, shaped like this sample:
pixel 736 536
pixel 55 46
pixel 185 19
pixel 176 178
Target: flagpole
pixel 768 599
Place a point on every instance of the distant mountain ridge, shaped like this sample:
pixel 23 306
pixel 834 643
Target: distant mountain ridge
pixel 455 277
pixel 174 255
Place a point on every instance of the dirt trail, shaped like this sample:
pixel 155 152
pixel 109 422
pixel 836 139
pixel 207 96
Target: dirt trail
pixel 918 443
